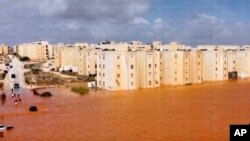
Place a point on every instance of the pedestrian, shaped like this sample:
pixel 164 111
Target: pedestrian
pixel 12 90
pixel 12 95
pixel 15 102
pixel 18 95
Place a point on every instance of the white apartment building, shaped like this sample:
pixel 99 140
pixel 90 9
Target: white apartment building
pixel 117 70
pixel 91 61
pixel 176 67
pixel 69 58
pixel 3 49
pixel 214 65
pixel 149 67
pixel 38 51
pixel 196 66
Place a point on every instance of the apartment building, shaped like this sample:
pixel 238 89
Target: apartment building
pixel 196 66
pixel 242 63
pixel 176 67
pixel 57 55
pixel 3 49
pixel 91 61
pixel 117 70
pixel 70 58
pixel 218 63
pixel 232 63
pixel 38 51
pixel 149 68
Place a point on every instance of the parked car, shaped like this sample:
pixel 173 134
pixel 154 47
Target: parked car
pixel 13 76
pixel 16 86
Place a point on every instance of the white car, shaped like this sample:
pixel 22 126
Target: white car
pixel 2 128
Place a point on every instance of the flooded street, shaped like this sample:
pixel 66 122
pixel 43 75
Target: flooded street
pixel 175 113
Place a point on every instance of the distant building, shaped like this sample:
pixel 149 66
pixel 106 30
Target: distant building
pixel 37 51
pixel 3 49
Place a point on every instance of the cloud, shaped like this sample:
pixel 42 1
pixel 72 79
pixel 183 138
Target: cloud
pixel 120 20
pixel 140 21
pixel 95 10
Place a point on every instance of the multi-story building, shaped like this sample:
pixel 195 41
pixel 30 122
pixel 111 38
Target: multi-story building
pixel 57 55
pixel 231 63
pixel 3 49
pixel 70 58
pixel 176 67
pixel 218 63
pixel 91 63
pixel 39 51
pixel 149 68
pixel 117 70
pixel 242 63
pixel 196 66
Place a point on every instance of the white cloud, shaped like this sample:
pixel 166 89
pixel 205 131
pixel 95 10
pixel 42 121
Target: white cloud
pixel 140 21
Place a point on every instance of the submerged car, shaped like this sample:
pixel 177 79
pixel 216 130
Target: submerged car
pixel 16 86
pixel 2 128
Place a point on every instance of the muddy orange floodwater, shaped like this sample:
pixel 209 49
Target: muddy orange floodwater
pixel 181 113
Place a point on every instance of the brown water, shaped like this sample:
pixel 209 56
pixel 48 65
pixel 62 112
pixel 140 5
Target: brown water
pixel 182 113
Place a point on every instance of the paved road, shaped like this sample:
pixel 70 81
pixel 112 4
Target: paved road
pixel 18 70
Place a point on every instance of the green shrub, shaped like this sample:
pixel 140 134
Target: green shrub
pixel 82 90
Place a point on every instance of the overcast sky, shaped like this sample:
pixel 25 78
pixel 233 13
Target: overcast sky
pixel 190 22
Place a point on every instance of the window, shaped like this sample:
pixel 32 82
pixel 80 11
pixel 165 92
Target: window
pixel 199 56
pixel 103 83
pixel 132 83
pixel 155 65
pixel 118 75
pixel 156 82
pixel 149 73
pixel 149 65
pixel 216 69
pixel 175 79
pixel 88 66
pixel 103 74
pixel 131 66
pixel 149 83
pixel 132 75
pixel 175 56
pixel 118 57
pixel 103 66
pixel 199 63
pixel 186 79
pixel 118 66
